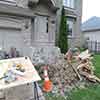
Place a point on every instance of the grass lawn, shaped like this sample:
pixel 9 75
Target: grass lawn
pixel 96 62
pixel 90 93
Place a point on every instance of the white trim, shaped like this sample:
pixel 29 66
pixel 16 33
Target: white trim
pixel 73 16
pixel 69 3
pixel 9 2
pixel 53 2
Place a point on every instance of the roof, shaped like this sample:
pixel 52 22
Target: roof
pixel 91 24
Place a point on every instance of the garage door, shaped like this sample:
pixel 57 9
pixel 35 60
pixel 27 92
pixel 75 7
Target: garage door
pixel 11 38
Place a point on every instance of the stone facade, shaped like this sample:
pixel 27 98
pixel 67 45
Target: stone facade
pixel 36 24
pixel 30 25
pixel 74 14
pixel 30 29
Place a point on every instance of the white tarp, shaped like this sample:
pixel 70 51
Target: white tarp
pixel 29 75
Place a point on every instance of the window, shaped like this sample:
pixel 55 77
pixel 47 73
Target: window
pixel 70 25
pixel 47 27
pixel 11 2
pixel 69 3
pixel 69 30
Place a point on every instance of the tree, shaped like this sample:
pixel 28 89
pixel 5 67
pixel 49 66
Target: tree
pixel 62 38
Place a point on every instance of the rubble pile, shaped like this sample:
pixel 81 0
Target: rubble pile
pixel 70 70
pixel 86 68
pixel 62 72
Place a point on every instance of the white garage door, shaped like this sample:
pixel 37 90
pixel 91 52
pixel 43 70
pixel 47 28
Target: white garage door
pixel 11 38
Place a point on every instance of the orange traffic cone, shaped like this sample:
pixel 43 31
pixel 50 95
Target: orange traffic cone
pixel 47 86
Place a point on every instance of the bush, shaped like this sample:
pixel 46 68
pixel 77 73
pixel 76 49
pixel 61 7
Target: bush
pixel 62 38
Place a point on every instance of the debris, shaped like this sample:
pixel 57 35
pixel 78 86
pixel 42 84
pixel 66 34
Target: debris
pixel 84 55
pixel 61 74
pixel 76 72
pixel 86 68
pixel 69 55
pixel 66 74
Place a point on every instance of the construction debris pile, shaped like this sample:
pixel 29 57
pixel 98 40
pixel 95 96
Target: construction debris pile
pixel 70 69
pixel 62 72
pixel 86 68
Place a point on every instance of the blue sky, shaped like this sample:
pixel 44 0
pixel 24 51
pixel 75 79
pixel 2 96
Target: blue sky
pixel 90 8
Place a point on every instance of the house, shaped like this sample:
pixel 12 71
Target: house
pixel 73 11
pixel 25 23
pixel 91 29
pixel 33 23
pixel 91 32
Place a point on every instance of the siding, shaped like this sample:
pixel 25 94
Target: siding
pixel 93 36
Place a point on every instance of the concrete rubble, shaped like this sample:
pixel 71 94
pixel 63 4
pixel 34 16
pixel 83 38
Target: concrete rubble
pixel 70 70
pixel 47 55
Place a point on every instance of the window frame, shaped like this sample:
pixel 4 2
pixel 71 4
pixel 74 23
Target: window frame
pixel 47 26
pixel 70 20
pixel 69 3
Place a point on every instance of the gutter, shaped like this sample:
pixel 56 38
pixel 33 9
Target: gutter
pixel 91 30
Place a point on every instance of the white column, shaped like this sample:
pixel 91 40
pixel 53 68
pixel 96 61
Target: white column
pixel 72 3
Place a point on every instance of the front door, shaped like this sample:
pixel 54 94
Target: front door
pixel 41 29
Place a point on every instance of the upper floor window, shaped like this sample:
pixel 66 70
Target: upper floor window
pixel 70 25
pixel 69 3
pixel 12 2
